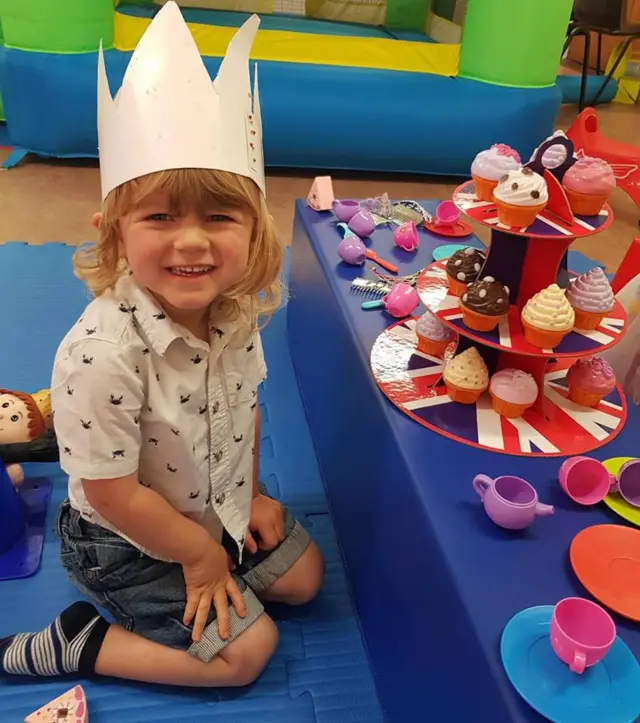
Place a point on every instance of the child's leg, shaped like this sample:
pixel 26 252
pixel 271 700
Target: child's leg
pixel 291 573
pixel 81 641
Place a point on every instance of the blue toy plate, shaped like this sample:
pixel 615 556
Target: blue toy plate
pixel 608 691
pixel 443 252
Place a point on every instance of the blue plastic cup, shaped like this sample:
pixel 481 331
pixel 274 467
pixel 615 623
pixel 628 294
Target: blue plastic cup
pixel 12 513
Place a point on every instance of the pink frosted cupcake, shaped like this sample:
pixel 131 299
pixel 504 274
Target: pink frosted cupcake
pixel 489 166
pixel 592 298
pixel 512 392
pixel 590 380
pixel 588 185
pixel 433 335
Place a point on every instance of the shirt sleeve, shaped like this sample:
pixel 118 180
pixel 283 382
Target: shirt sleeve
pixel 260 360
pixel 96 397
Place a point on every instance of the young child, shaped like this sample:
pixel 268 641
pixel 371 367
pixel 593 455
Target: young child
pixel 154 390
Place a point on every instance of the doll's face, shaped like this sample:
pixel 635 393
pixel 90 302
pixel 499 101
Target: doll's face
pixel 14 420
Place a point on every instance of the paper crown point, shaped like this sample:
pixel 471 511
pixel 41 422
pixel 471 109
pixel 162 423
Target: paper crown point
pixel 168 114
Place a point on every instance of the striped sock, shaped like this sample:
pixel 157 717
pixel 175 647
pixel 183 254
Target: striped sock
pixel 69 645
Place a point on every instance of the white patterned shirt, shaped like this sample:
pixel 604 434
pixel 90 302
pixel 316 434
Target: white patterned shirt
pixel 133 391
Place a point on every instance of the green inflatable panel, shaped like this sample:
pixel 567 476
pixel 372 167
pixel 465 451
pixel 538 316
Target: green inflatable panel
pixel 57 26
pixel 514 42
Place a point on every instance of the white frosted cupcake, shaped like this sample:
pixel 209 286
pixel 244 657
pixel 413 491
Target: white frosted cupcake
pixel 547 317
pixel 519 197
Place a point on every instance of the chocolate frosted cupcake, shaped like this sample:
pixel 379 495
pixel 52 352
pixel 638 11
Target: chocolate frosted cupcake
pixel 463 267
pixel 484 303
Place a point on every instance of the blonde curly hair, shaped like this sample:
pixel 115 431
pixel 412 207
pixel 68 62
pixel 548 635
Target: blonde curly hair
pixel 259 293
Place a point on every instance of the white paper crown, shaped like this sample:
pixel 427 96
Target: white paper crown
pixel 168 114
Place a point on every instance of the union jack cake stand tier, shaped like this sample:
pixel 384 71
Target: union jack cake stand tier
pixel 526 260
pixel 412 380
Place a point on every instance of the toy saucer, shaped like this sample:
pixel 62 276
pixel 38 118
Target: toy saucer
pixel 615 502
pixel 607 691
pixel 455 230
pixel 440 253
pixel 606 560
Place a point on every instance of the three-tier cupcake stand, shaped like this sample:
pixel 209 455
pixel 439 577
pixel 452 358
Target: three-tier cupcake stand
pixel 526 260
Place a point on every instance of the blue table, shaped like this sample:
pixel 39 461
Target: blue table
pixel 435 582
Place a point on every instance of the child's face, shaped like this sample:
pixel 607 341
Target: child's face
pixel 14 420
pixel 187 258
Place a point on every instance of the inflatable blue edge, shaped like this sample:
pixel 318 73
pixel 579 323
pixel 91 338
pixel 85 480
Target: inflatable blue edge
pixel 314 116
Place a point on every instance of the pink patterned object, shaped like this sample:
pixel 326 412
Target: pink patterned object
pixel 321 196
pixel 504 150
pixel 582 633
pixel 71 707
pixel 594 376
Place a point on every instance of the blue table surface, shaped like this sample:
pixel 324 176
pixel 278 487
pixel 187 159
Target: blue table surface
pixel 497 573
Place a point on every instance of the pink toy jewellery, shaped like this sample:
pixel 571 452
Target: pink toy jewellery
pixel 582 633
pixel 406 236
pixel 511 502
pixel 588 482
pixel 345 209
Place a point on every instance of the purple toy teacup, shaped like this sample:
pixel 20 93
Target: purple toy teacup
pixel 362 223
pixel 402 300
pixel 351 250
pixel 345 209
pixel 406 236
pixel 511 502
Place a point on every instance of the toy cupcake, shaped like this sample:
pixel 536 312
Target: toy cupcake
pixel 433 335
pixel 590 380
pixel 489 166
pixel 591 297
pixel 463 267
pixel 547 317
pixel 466 376
pixel 512 392
pixel 588 184
pixel 520 196
pixel 484 303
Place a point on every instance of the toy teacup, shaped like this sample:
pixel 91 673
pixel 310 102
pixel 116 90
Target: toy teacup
pixel 345 209
pixel 511 502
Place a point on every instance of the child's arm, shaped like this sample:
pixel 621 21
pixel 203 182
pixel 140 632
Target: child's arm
pixel 148 519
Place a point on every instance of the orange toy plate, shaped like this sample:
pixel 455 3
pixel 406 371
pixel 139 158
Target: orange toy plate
pixel 606 560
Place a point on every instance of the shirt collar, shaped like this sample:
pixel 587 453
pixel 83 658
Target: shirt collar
pixel 161 331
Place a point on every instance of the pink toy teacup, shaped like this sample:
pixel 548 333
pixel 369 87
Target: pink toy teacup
pixel 582 633
pixel 586 481
pixel 362 223
pixel 345 209
pixel 447 214
pixel 402 300
pixel 351 250
pixel 511 502
pixel 406 236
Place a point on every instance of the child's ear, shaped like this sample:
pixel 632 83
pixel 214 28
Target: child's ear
pixel 95 220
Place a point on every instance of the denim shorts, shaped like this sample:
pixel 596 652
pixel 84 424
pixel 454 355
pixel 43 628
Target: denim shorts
pixel 148 596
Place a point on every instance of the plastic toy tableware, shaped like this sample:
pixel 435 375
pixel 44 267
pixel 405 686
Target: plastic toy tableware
pixel 406 236
pixel 606 560
pixel 616 503
pixel 351 250
pixel 401 301
pixel 588 482
pixel 582 633
pixel 440 253
pixel 606 693
pixel 345 209
pixel 362 223
pixel 511 502
pixel 447 214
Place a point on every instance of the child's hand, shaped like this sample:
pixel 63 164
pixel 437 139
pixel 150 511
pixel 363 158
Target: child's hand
pixel 209 582
pixel 267 520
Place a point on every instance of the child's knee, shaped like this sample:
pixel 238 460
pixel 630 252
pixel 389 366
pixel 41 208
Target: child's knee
pixel 309 578
pixel 248 655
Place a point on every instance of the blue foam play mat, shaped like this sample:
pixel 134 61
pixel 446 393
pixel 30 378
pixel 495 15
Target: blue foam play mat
pixel 319 673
